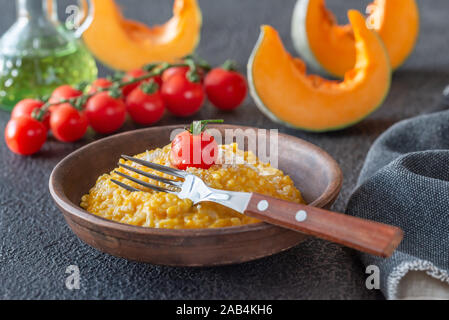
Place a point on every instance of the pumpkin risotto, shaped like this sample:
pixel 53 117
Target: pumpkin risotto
pixel 163 210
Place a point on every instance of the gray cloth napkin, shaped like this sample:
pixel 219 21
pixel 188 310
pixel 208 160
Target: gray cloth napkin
pixel 405 182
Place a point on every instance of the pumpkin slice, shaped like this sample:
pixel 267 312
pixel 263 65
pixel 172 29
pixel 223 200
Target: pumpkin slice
pixel 282 89
pixel 125 44
pixel 319 39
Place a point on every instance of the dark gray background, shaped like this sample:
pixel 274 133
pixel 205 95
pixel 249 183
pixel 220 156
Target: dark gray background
pixel 36 245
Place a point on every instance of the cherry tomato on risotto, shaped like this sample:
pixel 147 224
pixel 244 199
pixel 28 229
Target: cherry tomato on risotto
pixel 194 147
pixel 25 135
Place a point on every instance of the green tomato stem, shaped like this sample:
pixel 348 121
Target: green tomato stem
pixel 149 87
pixel 197 127
pixel 229 65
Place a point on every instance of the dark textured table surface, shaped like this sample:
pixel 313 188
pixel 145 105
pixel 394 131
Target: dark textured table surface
pixel 36 245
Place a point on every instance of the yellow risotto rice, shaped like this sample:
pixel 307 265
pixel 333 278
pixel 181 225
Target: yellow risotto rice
pixel 163 210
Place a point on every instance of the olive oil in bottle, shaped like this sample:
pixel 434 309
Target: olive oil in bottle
pixel 37 55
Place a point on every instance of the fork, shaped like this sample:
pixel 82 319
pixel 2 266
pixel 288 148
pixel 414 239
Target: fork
pixel 360 234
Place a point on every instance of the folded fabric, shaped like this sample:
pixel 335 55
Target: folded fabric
pixel 405 182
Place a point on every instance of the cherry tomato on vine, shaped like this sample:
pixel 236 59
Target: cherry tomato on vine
pixel 25 135
pixel 137 74
pixel 225 89
pixel 167 74
pixel 63 92
pixel 156 79
pixel 182 97
pixel 194 147
pixel 26 107
pixel 105 113
pixel 100 83
pixel 172 71
pixel 145 104
pixel 67 123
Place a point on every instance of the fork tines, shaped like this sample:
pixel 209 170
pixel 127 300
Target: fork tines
pixel 149 175
pixel 151 165
pixel 157 167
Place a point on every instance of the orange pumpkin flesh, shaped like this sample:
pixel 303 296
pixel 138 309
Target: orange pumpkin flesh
pixel 282 89
pixel 125 44
pixel 329 47
pixel 397 22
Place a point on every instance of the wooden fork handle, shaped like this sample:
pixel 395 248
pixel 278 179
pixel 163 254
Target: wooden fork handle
pixel 364 235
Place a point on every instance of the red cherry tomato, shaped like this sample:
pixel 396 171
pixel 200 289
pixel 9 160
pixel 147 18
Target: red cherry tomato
pixel 156 79
pixel 172 71
pixel 102 83
pixel 225 89
pixel 198 151
pixel 167 74
pixel 145 108
pixel 26 107
pixel 128 76
pixel 182 97
pixel 137 74
pixel 25 135
pixel 63 92
pixel 105 113
pixel 67 123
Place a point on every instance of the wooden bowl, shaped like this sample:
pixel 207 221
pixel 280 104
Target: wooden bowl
pixel 313 171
